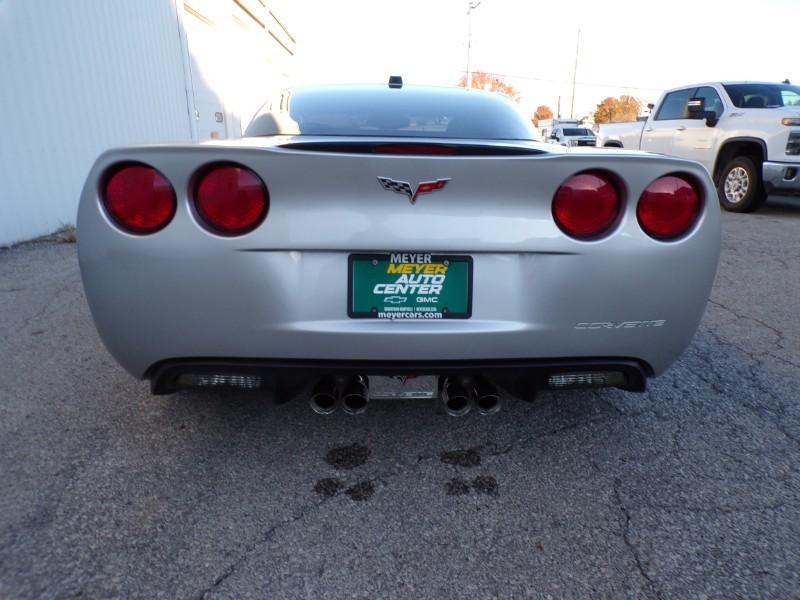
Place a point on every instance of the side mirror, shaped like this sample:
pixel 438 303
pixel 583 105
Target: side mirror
pixel 553 136
pixel 650 105
pixel 696 108
pixel 711 118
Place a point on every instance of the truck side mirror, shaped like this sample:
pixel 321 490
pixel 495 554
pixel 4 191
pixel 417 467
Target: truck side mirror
pixel 696 108
pixel 711 118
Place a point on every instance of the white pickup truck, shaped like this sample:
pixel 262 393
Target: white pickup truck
pixel 572 135
pixel 747 134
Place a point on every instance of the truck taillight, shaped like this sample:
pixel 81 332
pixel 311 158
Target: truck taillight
pixel 587 205
pixel 231 199
pixel 669 207
pixel 138 199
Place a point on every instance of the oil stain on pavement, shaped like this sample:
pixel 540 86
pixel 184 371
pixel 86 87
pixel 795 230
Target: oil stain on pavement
pixel 328 487
pixel 457 487
pixel 469 458
pixel 485 484
pixel 346 458
pixel 361 491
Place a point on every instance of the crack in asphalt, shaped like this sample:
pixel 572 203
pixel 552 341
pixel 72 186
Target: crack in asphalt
pixel 713 377
pixel 754 370
pixel 779 335
pixel 634 550
pixel 42 311
pixel 268 535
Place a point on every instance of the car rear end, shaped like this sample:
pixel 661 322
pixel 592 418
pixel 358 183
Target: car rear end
pixel 544 299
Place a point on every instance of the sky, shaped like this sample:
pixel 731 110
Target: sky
pixel 626 47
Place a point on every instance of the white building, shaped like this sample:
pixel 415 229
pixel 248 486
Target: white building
pixel 80 76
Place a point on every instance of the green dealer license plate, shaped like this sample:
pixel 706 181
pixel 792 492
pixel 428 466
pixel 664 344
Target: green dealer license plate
pixel 409 285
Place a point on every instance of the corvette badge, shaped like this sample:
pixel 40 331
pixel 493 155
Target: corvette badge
pixel 403 187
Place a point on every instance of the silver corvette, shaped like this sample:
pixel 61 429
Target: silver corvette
pixel 359 232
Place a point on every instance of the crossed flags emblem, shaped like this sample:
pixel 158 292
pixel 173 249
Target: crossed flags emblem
pixel 403 187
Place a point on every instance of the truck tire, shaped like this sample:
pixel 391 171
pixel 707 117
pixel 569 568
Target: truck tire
pixel 740 188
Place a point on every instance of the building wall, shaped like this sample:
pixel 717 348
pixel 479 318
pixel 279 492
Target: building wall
pixel 78 77
pixel 240 55
pixel 81 76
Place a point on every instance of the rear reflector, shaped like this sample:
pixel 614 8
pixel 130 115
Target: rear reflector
pixel 219 380
pixel 588 379
pixel 668 208
pixel 231 199
pixel 139 199
pixel 586 205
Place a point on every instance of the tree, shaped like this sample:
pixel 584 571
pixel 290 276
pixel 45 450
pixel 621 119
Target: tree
pixel 490 83
pixel 542 112
pixel 618 110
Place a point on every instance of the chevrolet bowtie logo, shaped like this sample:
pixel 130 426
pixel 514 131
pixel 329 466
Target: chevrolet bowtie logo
pixel 403 187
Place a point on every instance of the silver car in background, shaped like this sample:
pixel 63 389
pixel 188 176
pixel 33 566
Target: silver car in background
pixel 363 231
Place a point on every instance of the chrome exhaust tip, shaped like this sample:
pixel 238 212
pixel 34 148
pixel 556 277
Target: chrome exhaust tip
pixel 355 396
pixel 323 397
pixel 457 398
pixel 487 398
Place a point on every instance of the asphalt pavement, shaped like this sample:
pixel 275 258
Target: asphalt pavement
pixel 691 490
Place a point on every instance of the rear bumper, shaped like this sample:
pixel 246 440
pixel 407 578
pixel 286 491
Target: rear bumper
pixel 293 306
pixel 287 377
pixel 782 177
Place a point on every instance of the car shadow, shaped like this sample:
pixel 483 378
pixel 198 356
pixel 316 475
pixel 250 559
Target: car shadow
pixel 214 422
pixel 260 405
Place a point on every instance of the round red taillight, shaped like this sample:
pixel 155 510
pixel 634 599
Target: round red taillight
pixel 668 208
pixel 586 205
pixel 139 199
pixel 231 199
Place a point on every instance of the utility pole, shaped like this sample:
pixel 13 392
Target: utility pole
pixel 470 7
pixel 574 76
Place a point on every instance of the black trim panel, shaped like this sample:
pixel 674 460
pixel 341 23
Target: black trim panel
pixel 447 149
pixel 513 374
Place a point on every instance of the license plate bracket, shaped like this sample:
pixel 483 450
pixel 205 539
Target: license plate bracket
pixel 409 286
pixel 410 387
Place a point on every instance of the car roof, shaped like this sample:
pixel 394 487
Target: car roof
pixel 383 89
pixel 713 83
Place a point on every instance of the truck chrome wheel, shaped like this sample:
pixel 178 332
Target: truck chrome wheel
pixel 736 185
pixel 739 188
